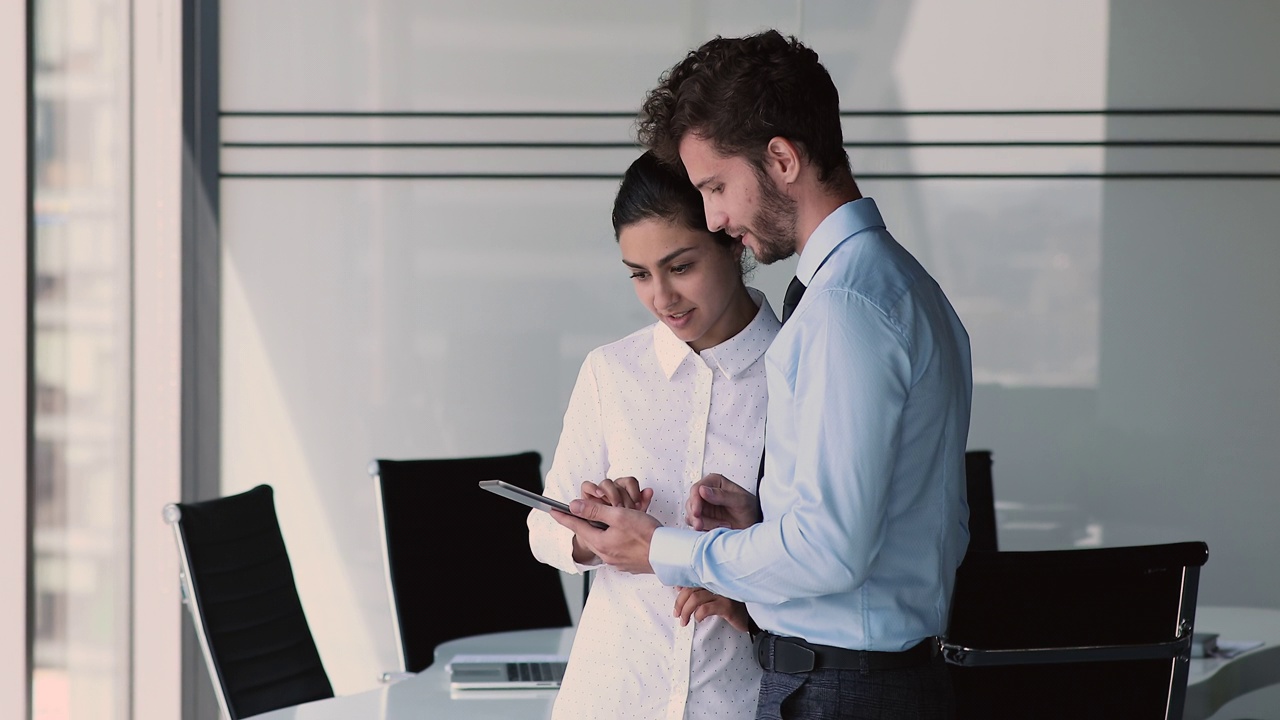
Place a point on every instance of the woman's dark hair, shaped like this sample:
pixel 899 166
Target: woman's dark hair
pixel 740 93
pixel 651 189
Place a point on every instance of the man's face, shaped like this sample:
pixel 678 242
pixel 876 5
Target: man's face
pixel 741 200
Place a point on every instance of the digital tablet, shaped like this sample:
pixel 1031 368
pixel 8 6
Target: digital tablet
pixel 532 499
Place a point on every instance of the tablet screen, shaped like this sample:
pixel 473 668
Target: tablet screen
pixel 532 499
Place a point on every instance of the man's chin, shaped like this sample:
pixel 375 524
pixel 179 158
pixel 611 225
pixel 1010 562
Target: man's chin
pixel 769 256
pixel 767 253
pixel 762 255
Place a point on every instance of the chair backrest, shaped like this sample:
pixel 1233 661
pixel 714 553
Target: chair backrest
pixel 1084 633
pixel 982 502
pixel 238 583
pixel 457 558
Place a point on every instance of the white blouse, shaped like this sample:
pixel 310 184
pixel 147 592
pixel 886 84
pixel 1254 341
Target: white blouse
pixel 648 406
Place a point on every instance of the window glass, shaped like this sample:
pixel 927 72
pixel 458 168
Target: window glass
pixel 82 358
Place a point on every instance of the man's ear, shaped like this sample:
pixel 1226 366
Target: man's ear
pixel 782 160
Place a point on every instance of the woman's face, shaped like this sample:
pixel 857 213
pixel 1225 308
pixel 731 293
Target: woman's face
pixel 687 280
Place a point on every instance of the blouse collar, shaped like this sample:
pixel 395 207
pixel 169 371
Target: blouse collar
pixel 732 356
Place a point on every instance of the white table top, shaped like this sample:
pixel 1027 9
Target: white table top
pixel 1210 685
pixel 1213 682
pixel 427 694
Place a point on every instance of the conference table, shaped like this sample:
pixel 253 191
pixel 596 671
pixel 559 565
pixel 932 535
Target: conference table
pixel 1212 682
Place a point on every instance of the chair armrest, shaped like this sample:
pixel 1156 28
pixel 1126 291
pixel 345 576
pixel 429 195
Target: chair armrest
pixel 956 654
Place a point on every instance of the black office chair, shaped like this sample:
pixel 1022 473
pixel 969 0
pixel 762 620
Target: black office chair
pixel 1093 633
pixel 457 558
pixel 238 584
pixel 982 503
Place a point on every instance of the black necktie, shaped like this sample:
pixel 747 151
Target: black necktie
pixel 789 302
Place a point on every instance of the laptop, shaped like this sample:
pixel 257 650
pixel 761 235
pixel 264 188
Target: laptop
pixel 506 672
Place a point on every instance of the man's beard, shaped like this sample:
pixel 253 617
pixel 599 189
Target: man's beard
pixel 774 224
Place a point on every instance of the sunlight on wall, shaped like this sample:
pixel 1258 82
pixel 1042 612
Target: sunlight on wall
pixel 261 446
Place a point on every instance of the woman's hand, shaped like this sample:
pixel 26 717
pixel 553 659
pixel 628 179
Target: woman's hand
pixel 701 603
pixel 582 554
pixel 624 492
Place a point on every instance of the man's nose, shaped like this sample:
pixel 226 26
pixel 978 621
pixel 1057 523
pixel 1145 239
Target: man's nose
pixel 717 219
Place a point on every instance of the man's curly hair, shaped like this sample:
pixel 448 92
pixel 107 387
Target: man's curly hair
pixel 739 93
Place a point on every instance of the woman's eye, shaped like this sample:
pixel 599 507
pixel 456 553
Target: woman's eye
pixel 639 275
pixel 680 269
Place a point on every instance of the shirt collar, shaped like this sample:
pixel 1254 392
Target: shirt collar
pixel 732 356
pixel 844 222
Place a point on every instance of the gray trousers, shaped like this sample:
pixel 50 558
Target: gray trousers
pixel 918 693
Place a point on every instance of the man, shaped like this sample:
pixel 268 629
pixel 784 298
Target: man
pixel 849 571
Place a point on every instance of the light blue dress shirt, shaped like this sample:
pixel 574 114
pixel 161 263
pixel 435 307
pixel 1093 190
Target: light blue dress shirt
pixel 863 494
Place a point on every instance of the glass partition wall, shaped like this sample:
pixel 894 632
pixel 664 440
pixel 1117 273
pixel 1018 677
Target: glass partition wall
pixel 416 249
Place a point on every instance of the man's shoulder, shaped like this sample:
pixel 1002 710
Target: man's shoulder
pixel 871 266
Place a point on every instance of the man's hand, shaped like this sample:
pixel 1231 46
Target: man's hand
pixel 625 545
pixel 624 492
pixel 716 501
pixel 701 603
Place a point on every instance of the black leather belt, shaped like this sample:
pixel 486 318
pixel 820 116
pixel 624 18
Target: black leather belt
pixel 793 655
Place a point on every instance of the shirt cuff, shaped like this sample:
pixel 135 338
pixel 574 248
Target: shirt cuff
pixel 567 549
pixel 671 555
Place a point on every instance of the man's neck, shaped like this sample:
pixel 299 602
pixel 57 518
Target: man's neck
pixel 819 204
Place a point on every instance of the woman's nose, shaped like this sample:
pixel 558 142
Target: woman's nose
pixel 665 295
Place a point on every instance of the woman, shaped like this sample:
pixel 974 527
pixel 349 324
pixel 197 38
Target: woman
pixel 650 415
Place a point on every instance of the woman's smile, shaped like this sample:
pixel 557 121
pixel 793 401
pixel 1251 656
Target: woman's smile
pixel 679 320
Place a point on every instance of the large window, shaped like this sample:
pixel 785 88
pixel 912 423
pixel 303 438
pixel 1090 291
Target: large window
pixel 81 385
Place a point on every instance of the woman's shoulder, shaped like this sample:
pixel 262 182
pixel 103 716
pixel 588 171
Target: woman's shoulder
pixel 628 348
